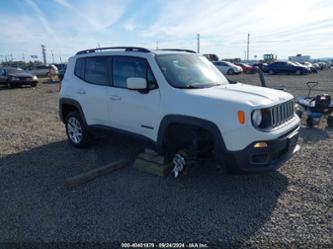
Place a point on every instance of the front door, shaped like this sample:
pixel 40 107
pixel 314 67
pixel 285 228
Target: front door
pixel 132 110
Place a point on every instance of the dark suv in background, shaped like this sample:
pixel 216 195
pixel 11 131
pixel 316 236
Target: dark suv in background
pixel 12 77
pixel 286 67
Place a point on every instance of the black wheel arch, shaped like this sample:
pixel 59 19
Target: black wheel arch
pixel 67 105
pixel 219 145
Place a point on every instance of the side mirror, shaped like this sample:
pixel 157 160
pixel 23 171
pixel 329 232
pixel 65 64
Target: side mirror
pixel 136 83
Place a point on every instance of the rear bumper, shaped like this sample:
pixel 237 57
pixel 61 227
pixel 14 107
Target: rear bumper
pixel 270 158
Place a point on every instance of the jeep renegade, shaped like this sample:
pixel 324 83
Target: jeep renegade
pixel 177 101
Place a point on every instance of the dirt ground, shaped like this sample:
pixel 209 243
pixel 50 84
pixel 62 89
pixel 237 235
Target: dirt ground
pixel 291 207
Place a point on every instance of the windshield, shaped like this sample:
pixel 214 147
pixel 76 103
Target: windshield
pixel 14 70
pixel 189 71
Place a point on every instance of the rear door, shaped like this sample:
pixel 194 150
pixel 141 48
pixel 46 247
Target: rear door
pixel 92 80
pixel 132 110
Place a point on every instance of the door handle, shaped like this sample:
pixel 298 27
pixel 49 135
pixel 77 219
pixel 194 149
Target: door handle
pixel 81 91
pixel 115 97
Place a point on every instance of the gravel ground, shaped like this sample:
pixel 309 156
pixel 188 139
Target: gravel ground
pixel 288 208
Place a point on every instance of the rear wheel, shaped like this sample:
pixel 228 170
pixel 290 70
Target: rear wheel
pixel 76 131
pixel 271 72
pixel 330 121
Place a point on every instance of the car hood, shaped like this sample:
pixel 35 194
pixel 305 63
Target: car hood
pixel 246 94
pixel 24 74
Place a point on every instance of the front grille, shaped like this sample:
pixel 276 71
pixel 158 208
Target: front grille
pixel 281 113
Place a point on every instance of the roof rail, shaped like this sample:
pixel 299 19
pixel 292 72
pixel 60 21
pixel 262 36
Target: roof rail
pixel 94 50
pixel 178 50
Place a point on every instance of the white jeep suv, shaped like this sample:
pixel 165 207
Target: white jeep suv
pixel 176 100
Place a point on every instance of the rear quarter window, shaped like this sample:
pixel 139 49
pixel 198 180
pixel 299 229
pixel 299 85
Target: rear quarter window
pixel 79 68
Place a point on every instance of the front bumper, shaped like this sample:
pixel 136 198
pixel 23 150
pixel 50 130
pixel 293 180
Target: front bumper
pixel 23 82
pixel 270 158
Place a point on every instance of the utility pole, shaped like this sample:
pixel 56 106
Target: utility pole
pixel 11 57
pixel 198 43
pixel 44 54
pixel 248 47
pixel 156 45
pixel 52 56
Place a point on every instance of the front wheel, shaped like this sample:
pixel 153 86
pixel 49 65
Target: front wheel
pixel 230 72
pixel 33 84
pixel 77 133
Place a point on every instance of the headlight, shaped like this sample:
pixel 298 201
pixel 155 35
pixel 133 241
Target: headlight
pixel 256 118
pixel 34 77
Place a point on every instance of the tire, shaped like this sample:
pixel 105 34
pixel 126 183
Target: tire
pixel 271 72
pixel 298 72
pixel 9 85
pixel 230 72
pixel 33 84
pixel 77 133
pixel 330 121
pixel 309 122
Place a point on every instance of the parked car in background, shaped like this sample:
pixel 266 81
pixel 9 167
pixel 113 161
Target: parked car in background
pixel 286 67
pixel 246 67
pixel 322 65
pixel 227 67
pixel 260 65
pixel 43 70
pixel 211 57
pixel 311 66
pixel 302 65
pixel 12 77
pixel 61 69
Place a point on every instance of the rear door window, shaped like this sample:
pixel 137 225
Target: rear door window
pixel 79 68
pixel 96 70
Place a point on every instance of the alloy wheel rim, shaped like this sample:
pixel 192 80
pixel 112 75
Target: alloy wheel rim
pixel 74 130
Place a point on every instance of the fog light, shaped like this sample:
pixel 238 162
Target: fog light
pixel 260 145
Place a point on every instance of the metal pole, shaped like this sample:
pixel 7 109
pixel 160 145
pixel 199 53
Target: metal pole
pixel 156 45
pixel 248 47
pixel 198 43
pixel 44 54
pixel 52 56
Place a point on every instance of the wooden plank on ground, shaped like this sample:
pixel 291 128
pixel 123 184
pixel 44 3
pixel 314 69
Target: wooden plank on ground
pixel 92 174
pixel 152 168
pixel 152 158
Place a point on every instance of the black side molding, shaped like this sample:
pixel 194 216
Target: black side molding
pixel 68 101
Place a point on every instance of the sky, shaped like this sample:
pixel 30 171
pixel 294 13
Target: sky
pixel 282 27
